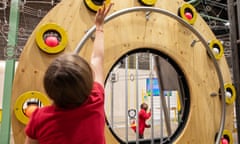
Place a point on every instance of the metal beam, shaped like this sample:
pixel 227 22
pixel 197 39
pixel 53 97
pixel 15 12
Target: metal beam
pixel 163 100
pixel 234 20
pixel 9 72
pixel 214 18
pixel 216 4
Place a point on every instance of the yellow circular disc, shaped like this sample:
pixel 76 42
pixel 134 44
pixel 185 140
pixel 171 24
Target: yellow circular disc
pixel 149 2
pixel 220 46
pixel 91 5
pixel 51 27
pixel 193 11
pixel 230 100
pixel 228 134
pixel 18 107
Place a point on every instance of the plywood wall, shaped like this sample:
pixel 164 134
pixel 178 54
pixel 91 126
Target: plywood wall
pixel 126 33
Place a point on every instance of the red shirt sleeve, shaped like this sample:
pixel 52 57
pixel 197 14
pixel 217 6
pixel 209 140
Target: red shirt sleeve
pixel 97 91
pixel 30 129
pixel 34 127
pixel 145 115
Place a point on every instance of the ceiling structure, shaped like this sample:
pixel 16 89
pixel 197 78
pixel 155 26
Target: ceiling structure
pixel 31 12
pixel 214 13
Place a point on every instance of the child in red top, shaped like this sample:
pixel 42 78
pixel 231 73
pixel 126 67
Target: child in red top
pixel 77 90
pixel 143 115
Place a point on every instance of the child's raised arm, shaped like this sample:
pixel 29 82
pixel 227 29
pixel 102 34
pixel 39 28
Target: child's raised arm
pixel 97 57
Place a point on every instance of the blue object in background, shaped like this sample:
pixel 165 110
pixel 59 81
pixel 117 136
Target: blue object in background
pixel 155 88
pixel 152 85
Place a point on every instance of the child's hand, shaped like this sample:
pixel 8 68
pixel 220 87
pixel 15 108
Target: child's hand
pixel 148 126
pixel 101 14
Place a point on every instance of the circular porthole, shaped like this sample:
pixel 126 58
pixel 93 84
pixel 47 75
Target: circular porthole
pixel 217 48
pixel 230 93
pixel 227 137
pixel 27 103
pixel 148 2
pixel 124 95
pixel 51 38
pixel 94 5
pixel 188 13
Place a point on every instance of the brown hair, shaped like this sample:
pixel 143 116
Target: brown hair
pixel 144 106
pixel 68 81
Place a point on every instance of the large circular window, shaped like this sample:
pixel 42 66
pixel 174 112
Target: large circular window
pixel 134 80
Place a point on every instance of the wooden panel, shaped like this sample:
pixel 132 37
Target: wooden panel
pixel 126 33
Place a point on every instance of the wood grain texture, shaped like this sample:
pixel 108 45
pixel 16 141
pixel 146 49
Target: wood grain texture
pixel 126 33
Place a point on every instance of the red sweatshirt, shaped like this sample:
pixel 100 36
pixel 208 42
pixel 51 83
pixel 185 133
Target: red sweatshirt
pixel 142 117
